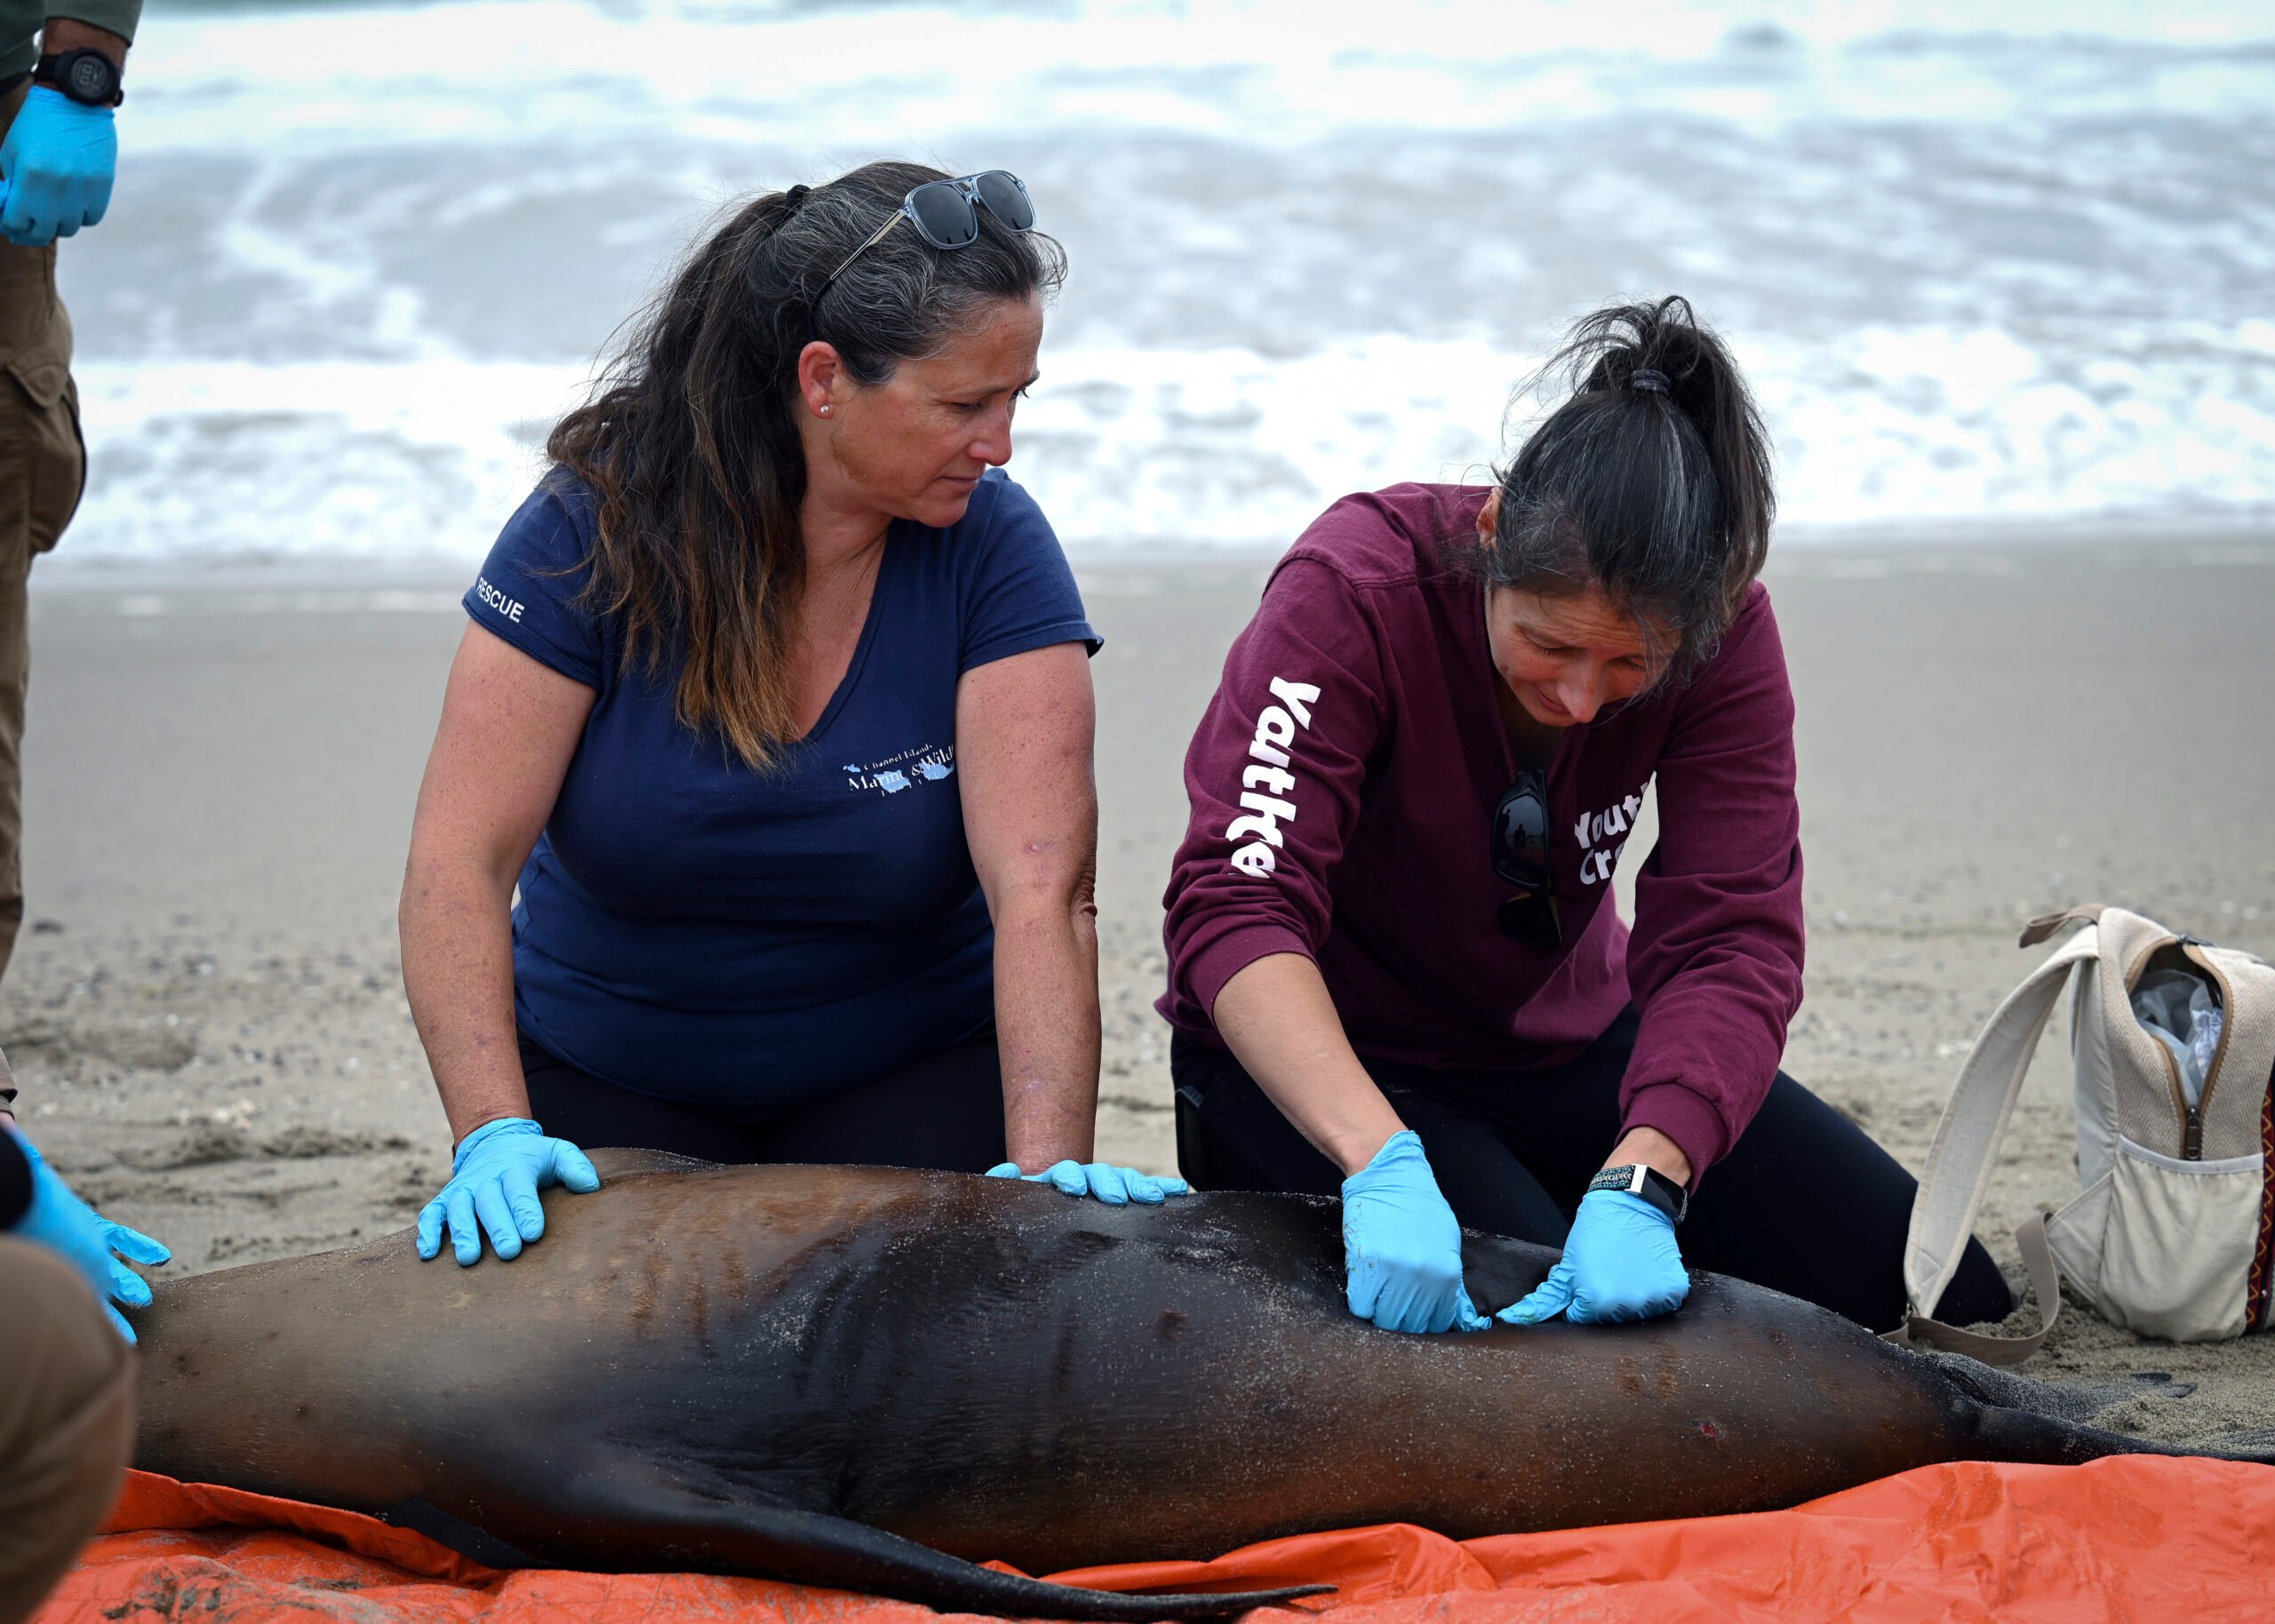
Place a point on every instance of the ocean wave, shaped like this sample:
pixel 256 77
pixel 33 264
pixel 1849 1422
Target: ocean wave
pixel 261 80
pixel 1983 265
pixel 1217 447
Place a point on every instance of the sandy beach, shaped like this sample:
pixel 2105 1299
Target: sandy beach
pixel 206 1009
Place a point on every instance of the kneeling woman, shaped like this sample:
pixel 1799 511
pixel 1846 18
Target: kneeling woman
pixel 776 705
pixel 1394 964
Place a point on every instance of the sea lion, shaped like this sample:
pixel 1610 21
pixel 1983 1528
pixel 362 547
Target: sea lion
pixel 877 1378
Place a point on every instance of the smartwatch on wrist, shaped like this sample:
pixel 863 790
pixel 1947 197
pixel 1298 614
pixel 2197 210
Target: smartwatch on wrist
pixel 87 76
pixel 1648 1183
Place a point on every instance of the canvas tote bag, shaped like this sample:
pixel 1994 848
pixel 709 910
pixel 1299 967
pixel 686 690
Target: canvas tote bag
pixel 2170 1234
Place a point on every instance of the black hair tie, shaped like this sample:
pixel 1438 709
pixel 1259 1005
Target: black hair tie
pixel 1645 378
pixel 797 196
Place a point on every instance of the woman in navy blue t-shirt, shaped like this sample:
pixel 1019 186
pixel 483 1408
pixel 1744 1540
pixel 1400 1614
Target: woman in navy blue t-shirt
pixel 776 705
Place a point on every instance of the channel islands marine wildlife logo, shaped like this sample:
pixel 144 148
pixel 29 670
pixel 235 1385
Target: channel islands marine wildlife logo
pixel 924 764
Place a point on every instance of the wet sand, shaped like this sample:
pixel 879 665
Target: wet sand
pixel 206 1008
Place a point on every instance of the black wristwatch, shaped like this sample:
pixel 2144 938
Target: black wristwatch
pixel 1648 1183
pixel 86 77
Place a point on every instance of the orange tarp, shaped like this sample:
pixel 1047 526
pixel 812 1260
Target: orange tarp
pixel 2133 1537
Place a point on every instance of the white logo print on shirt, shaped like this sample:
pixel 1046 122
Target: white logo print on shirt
pixel 1267 779
pixel 510 608
pixel 1594 829
pixel 924 764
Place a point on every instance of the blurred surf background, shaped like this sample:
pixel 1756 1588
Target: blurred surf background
pixel 1996 269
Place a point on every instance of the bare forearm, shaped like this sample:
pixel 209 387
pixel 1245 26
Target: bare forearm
pixel 1047 1030
pixel 1653 1149
pixel 1280 1022
pixel 458 973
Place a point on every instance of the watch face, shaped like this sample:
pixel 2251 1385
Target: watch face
pixel 89 79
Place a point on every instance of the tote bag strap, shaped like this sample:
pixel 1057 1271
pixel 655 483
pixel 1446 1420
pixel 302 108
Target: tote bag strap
pixel 1966 1150
pixel 2044 1280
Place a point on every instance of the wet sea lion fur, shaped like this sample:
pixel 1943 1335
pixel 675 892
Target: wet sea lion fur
pixel 876 1380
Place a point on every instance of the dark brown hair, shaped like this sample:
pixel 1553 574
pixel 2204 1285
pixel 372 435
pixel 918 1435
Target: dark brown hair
pixel 1659 492
pixel 690 441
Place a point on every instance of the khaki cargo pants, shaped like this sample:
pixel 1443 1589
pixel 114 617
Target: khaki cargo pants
pixel 66 1421
pixel 42 468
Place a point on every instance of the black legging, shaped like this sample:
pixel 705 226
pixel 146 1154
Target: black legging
pixel 944 1110
pixel 1805 1202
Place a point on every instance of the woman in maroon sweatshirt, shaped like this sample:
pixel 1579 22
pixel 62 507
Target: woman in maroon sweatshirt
pixel 1395 968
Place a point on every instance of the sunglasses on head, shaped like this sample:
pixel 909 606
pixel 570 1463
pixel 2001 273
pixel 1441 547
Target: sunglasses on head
pixel 1520 857
pixel 945 214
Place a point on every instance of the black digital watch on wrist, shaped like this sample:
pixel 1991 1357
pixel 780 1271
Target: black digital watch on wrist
pixel 1648 1183
pixel 87 76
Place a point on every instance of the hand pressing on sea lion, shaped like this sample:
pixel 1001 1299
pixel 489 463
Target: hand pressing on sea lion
pixel 91 1243
pixel 494 1179
pixel 1620 1262
pixel 1401 1244
pixel 1114 1186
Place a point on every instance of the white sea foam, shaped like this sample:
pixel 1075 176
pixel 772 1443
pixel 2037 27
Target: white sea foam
pixel 366 460
pixel 1982 264
pixel 1194 447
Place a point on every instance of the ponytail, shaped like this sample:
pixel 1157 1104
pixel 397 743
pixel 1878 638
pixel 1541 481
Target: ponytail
pixel 1651 482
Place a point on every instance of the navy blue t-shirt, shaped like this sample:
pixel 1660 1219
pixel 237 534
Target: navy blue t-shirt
pixel 693 930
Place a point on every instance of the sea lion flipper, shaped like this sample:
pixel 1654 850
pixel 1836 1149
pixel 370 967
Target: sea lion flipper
pixel 641 1515
pixel 474 1544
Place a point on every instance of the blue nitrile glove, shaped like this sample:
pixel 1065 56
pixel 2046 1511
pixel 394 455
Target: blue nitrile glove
pixel 494 1179
pixel 86 1239
pixel 1401 1245
pixel 1114 1186
pixel 55 167
pixel 1620 1262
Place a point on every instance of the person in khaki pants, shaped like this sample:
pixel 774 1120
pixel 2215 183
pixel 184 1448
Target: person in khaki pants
pixel 59 80
pixel 67 1423
pixel 66 1406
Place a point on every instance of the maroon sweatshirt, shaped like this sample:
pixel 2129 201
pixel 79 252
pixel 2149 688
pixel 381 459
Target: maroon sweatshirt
pixel 1342 784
